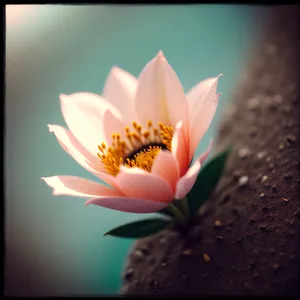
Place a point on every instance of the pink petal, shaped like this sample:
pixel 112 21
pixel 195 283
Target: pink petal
pixel 180 149
pixel 196 95
pixel 205 154
pixel 126 204
pixel 120 89
pixel 83 113
pixel 166 166
pixel 80 187
pixel 202 101
pixel 186 182
pixel 137 183
pixel 88 161
pixel 160 96
pixel 112 124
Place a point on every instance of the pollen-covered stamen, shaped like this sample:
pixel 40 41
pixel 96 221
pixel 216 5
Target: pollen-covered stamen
pixel 166 135
pixel 144 159
pixel 138 149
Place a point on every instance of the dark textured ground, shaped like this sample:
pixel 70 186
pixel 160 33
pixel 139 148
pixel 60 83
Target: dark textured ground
pixel 255 247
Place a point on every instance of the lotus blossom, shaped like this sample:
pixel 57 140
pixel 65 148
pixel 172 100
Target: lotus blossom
pixel 139 138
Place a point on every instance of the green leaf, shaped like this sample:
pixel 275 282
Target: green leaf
pixel 140 229
pixel 207 180
pixel 166 211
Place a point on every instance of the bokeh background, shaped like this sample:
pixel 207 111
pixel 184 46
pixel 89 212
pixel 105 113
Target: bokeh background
pixel 55 245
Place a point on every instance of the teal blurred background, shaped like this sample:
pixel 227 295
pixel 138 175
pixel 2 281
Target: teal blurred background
pixel 54 244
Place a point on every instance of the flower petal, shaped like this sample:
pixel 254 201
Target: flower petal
pixel 186 182
pixel 202 100
pixel 120 89
pixel 166 166
pixel 205 154
pixel 83 113
pixel 137 183
pixel 127 204
pixel 160 96
pixel 80 187
pixel 180 149
pixel 112 124
pixel 88 161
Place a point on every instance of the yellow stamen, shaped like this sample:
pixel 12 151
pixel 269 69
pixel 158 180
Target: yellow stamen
pixel 122 151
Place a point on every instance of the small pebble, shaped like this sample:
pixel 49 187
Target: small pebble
pixel 269 158
pixel 189 252
pixel 281 146
pixel 206 258
pixel 262 154
pixel 244 153
pixel 285 199
pixel 219 238
pixel 264 179
pixel 243 180
pixel 138 254
pixel 262 195
pixel 253 103
pixel 218 223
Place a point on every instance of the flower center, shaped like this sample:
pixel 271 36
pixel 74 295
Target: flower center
pixel 138 149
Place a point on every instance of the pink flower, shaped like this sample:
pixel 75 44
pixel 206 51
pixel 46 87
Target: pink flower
pixel 139 138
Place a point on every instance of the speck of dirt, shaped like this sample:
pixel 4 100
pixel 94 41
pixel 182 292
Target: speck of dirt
pixel 206 257
pixel 253 103
pixel 188 252
pixel 281 146
pixel 264 179
pixel 244 153
pixel 262 154
pixel 218 224
pixel 243 181
pixel 262 195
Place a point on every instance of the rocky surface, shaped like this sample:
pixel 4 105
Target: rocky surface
pixel 246 241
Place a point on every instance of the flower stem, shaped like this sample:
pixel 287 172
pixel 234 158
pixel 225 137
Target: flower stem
pixel 183 205
pixel 176 213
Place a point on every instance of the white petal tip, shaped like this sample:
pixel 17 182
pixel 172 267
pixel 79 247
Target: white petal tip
pixel 115 69
pixel 160 55
pixel 63 97
pixel 50 127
